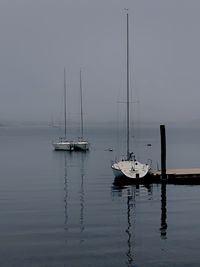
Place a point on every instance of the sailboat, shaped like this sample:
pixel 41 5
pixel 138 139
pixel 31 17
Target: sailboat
pixel 81 144
pixel 63 143
pixel 129 167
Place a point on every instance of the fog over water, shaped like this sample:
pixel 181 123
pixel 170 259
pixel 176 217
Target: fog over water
pixel 41 37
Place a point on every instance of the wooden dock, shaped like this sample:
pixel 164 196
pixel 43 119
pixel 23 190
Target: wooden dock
pixel 173 176
pixel 180 172
pixel 177 176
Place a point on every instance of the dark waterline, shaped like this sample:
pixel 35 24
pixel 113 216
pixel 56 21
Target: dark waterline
pixel 62 209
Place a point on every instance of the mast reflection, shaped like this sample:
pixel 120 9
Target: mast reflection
pixel 66 193
pixel 82 194
pixel 129 192
pixel 79 170
pixel 130 253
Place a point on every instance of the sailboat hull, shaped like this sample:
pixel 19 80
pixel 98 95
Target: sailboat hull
pixel 81 145
pixel 131 169
pixel 65 146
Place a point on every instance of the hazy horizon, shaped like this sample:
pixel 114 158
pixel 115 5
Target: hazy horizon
pixel 40 38
pixel 101 123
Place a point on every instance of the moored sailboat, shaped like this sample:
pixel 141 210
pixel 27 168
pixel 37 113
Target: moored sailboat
pixel 81 144
pixel 63 143
pixel 129 167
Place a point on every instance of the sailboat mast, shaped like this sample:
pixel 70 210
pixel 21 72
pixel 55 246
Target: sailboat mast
pixel 128 111
pixel 81 105
pixel 65 110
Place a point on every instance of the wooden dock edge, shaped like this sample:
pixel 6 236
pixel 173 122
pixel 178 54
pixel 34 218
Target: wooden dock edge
pixel 176 176
pixel 173 176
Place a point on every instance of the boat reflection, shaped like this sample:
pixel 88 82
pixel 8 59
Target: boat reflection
pixel 128 192
pixel 82 202
pixel 66 192
pixel 149 187
pixel 132 193
pixel 130 222
pixel 68 167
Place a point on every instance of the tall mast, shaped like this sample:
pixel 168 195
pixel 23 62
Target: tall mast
pixel 128 152
pixel 81 105
pixel 65 110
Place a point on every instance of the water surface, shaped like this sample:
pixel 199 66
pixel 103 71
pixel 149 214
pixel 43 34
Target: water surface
pixel 63 209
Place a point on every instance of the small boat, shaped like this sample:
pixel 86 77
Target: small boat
pixel 63 143
pixel 129 167
pixel 109 149
pixel 81 144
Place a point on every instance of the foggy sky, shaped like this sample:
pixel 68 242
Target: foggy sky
pixel 38 38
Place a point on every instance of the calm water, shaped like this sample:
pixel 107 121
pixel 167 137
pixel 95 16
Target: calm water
pixel 62 209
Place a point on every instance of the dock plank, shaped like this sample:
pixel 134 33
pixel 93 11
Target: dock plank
pixel 179 172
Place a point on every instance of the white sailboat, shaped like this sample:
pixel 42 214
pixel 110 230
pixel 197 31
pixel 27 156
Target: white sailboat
pixel 129 167
pixel 81 144
pixel 63 143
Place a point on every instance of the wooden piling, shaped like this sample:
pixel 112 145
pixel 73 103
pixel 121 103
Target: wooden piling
pixel 163 152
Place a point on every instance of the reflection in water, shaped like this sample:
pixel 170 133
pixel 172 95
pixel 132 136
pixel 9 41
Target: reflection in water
pixel 149 187
pixel 150 191
pixel 163 228
pixel 129 193
pixel 130 205
pixel 66 192
pixel 81 192
pixel 82 196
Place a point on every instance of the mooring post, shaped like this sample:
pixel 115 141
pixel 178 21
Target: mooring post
pixel 163 152
pixel 163 228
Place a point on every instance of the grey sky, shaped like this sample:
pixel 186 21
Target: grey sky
pixel 40 37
